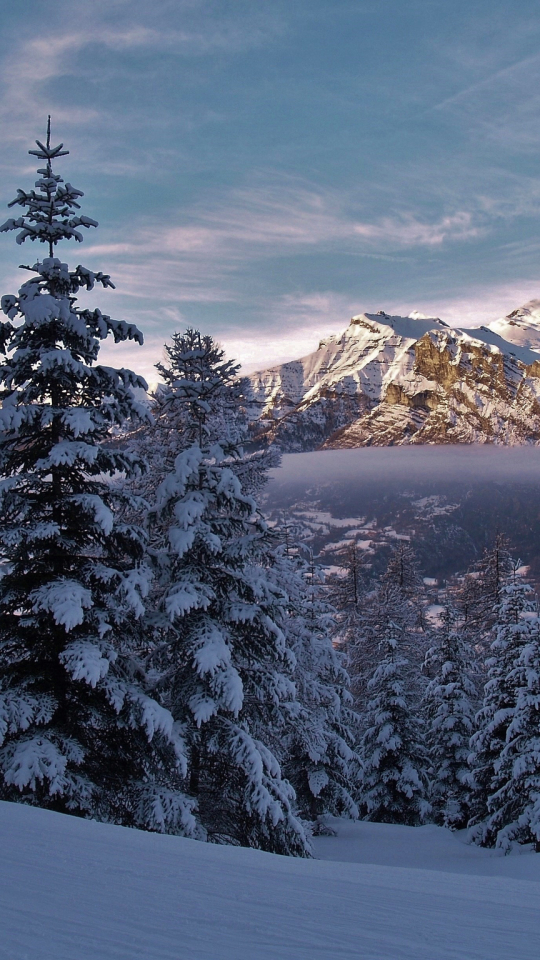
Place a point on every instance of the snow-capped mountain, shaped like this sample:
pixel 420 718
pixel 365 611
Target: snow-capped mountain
pixel 394 380
pixel 521 327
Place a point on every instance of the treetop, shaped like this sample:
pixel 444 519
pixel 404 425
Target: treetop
pixel 49 215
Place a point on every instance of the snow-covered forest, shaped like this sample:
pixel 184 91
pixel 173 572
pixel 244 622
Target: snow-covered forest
pixel 171 661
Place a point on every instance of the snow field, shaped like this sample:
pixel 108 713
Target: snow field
pixel 80 890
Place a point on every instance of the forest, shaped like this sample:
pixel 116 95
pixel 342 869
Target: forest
pixel 171 661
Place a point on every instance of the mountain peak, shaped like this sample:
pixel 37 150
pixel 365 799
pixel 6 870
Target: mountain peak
pixel 391 379
pixel 521 327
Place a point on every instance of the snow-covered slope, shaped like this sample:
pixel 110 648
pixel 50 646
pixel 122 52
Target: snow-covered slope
pixel 389 380
pixel 521 327
pixel 79 890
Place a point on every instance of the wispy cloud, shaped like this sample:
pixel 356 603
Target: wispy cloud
pixel 504 78
pixel 64 49
pixel 478 304
pixel 203 259
pixel 292 326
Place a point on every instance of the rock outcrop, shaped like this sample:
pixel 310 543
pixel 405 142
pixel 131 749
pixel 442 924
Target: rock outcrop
pixel 395 380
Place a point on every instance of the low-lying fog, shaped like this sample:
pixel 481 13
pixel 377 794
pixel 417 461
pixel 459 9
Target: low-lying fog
pixel 450 500
pixel 451 463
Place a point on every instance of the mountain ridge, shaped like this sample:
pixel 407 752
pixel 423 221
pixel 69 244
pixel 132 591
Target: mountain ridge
pixel 391 380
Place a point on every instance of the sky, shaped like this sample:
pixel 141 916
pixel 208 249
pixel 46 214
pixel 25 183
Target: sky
pixel 266 170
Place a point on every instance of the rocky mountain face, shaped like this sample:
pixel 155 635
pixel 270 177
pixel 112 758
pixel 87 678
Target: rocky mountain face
pixel 396 380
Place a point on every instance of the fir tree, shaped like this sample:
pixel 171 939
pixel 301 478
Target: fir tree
pixel 395 784
pixel 224 666
pixel 394 605
pixel 77 730
pixel 318 740
pixel 347 593
pixel 480 594
pixel 511 633
pixel 194 362
pixel 514 809
pixel 449 706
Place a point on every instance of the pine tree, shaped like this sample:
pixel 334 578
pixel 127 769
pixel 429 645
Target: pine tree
pixel 402 571
pixel 481 591
pixel 347 591
pixel 394 605
pixel 318 740
pixel 449 707
pixel 402 594
pixel 195 362
pixel 511 633
pixel 78 732
pixel 224 667
pixel 395 784
pixel 347 594
pixel 514 809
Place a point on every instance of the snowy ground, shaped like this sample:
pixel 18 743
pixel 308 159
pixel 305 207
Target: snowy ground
pixel 78 890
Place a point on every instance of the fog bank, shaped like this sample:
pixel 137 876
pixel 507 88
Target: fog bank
pixel 447 464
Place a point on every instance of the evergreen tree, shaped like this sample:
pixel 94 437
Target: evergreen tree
pixel 194 362
pixel 347 594
pixel 511 633
pixel 395 784
pixel 514 809
pixel 480 594
pixel 449 706
pixel 223 664
pixel 318 740
pixel 394 605
pixel 77 730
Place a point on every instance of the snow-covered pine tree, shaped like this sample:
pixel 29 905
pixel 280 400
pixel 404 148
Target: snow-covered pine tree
pixel 396 604
pixel 77 731
pixel 317 746
pixel 225 669
pixel 449 707
pixel 514 809
pixel 191 359
pixel 347 593
pixel 480 594
pixel 510 632
pixel 402 573
pixel 393 752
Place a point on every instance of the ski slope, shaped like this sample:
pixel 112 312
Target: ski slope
pixel 79 890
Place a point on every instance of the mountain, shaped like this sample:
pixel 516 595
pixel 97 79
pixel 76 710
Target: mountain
pixel 521 327
pixel 394 380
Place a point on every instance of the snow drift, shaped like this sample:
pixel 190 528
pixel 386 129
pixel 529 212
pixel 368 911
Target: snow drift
pixel 80 890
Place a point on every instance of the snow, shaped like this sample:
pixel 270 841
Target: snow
pixel 325 518
pixel 491 337
pixel 65 599
pixel 424 848
pixel 84 661
pixel 372 352
pixel 377 360
pixel 36 759
pixel 521 327
pixel 80 890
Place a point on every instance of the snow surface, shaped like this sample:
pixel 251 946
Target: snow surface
pixel 493 337
pixel 521 327
pixel 79 890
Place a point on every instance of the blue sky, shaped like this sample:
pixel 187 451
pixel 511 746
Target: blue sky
pixel 264 170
